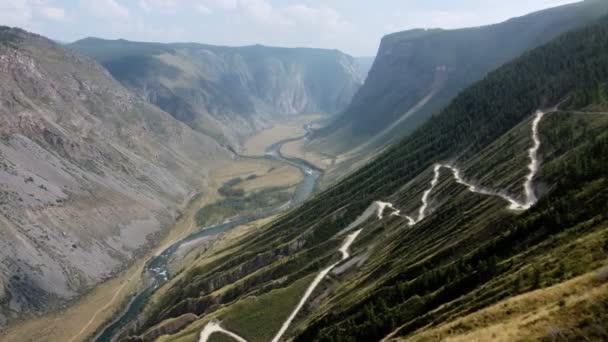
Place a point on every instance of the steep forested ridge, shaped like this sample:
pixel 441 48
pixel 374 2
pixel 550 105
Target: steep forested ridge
pixel 470 252
pixel 572 67
pixel 426 69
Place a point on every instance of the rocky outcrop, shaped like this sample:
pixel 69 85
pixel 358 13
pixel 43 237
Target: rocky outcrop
pixel 418 72
pixel 229 92
pixel 2 291
pixel 90 174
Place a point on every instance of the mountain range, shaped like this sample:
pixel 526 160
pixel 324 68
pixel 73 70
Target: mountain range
pixel 418 72
pixel 487 222
pixel 94 173
pixel 230 92
pixel 467 200
pixel 91 173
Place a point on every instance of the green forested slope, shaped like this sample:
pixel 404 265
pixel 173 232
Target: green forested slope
pixel 471 251
pixel 413 64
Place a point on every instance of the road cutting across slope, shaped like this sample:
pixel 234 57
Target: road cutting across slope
pixel 514 204
pixel 214 327
pixel 344 249
pixel 378 208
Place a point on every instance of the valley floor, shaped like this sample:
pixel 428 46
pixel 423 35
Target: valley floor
pixel 85 317
pixel 292 127
pixel 333 166
pixel 554 287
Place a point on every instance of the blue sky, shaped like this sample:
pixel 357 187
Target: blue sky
pixel 354 26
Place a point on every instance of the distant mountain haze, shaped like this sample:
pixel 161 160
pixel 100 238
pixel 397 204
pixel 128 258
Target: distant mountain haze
pixel 365 64
pixel 230 92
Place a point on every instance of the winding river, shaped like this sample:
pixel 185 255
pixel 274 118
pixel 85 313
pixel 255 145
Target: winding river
pixel 157 272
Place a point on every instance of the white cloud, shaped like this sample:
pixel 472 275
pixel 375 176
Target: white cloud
pixel 164 5
pixel 262 12
pixel 322 18
pixel 202 9
pixel 355 26
pixel 222 4
pixel 141 31
pixel 258 9
pixel 109 9
pixel 173 6
pixel 52 13
pixel 15 12
pixel 29 14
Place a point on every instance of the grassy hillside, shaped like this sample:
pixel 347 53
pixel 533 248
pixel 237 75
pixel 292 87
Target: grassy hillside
pixel 470 252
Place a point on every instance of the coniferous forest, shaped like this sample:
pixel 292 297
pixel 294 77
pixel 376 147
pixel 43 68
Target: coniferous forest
pixel 414 279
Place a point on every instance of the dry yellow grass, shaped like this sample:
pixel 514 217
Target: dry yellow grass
pixel 296 149
pixel 78 321
pixel 256 145
pixel 289 128
pixel 527 317
pixel 282 176
pixel 269 174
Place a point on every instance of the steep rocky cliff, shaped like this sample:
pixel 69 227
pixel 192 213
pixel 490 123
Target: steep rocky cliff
pixel 229 92
pixel 418 72
pixel 90 174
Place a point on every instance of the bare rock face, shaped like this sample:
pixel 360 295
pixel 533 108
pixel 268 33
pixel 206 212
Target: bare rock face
pixel 2 291
pixel 90 174
pixel 418 72
pixel 229 92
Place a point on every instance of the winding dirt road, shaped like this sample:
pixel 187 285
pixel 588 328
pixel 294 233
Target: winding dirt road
pixel 214 327
pixel 514 204
pixel 379 208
